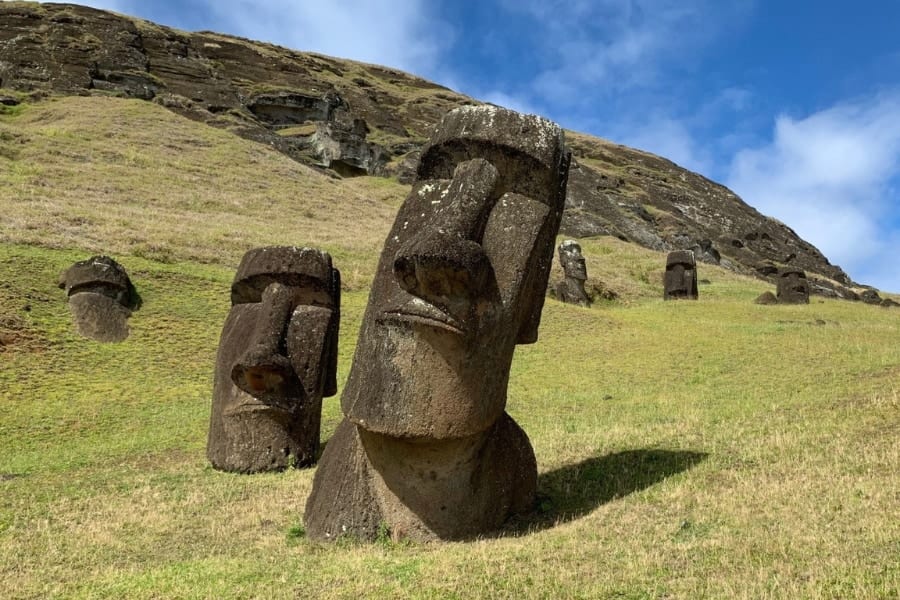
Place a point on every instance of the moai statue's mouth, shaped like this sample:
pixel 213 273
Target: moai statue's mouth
pixel 249 407
pixel 421 312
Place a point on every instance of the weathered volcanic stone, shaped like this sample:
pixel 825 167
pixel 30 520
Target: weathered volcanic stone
pixel 277 358
pixel 792 287
pixel 766 299
pixel 426 447
pixel 680 280
pixel 870 297
pixel 571 289
pixel 101 298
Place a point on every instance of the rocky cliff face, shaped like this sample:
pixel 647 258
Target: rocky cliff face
pixel 353 118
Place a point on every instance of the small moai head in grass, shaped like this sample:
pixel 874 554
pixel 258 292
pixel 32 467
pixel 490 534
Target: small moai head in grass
pixel 426 447
pixel 277 358
pixel 571 289
pixel 792 286
pixel 680 280
pixel 766 298
pixel 101 298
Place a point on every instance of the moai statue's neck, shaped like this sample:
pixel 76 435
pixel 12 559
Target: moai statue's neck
pixel 424 487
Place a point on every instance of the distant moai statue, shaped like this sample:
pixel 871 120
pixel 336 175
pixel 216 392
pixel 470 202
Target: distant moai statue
pixel 792 286
pixel 277 358
pixel 426 448
pixel 101 298
pixel 571 289
pixel 680 280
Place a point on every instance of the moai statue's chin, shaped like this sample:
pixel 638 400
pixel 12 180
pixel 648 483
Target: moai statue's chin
pixel 277 358
pixel 792 286
pixel 426 447
pixel 101 298
pixel 680 280
pixel 571 289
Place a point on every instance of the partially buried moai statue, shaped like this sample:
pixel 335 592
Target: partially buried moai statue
pixel 101 298
pixel 426 448
pixel 792 286
pixel 680 280
pixel 571 289
pixel 277 358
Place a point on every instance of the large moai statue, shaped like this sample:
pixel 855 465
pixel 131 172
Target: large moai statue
pixel 101 298
pixel 426 447
pixel 571 289
pixel 792 286
pixel 277 358
pixel 680 280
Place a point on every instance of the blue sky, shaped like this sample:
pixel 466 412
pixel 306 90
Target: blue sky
pixel 793 104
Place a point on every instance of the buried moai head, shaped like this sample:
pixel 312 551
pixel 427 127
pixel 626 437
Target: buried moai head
pixel 571 289
pixel 277 358
pixel 101 298
pixel 680 280
pixel 792 286
pixel 426 447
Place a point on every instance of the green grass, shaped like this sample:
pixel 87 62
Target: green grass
pixel 714 448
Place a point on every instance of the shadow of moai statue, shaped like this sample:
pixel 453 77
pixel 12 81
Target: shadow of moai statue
pixel 101 298
pixel 680 280
pixel 277 358
pixel 571 289
pixel 426 448
pixel 792 286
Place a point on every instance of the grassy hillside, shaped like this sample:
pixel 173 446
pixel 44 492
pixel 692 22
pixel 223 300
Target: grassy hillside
pixel 130 177
pixel 693 449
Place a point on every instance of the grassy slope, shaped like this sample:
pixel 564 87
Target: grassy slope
pixel 129 177
pixel 712 448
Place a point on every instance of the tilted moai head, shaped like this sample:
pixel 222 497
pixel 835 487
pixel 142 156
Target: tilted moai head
pixel 571 289
pixel 680 280
pixel 101 298
pixel 426 446
pixel 792 286
pixel 277 358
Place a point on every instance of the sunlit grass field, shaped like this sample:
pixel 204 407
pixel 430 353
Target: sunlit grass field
pixel 708 449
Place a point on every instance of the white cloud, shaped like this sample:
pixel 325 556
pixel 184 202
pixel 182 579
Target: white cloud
pixel 832 176
pixel 387 32
pixel 592 48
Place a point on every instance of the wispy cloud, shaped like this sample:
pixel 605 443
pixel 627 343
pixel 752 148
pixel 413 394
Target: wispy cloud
pixel 388 32
pixel 591 49
pixel 833 176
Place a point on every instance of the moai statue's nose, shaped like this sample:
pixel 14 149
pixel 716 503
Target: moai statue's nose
pixel 263 370
pixel 446 263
